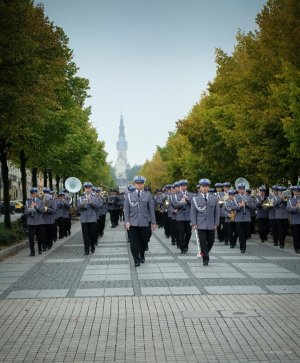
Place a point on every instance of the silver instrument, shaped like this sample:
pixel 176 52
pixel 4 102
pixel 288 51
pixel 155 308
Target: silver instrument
pixel 198 242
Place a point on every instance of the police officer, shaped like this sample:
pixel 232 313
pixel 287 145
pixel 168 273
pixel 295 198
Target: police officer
pixel 49 214
pixel 243 216
pixel 205 216
pixel 262 215
pixel 87 205
pixel 226 187
pixel 34 208
pixel 173 211
pixel 138 211
pixel 229 209
pixel 182 205
pixel 281 215
pixel 293 208
pixel 114 205
pixel 220 195
pixel 166 213
pixel 272 222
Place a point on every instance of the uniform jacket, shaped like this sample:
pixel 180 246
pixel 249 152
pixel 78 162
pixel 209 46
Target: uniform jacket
pixel 293 210
pixel 139 211
pixel 280 208
pixel 261 211
pixel 88 210
pixel 228 206
pixel 35 214
pixel 271 209
pixel 220 196
pixel 63 208
pixel 49 215
pixel 244 214
pixel 205 214
pixel 183 208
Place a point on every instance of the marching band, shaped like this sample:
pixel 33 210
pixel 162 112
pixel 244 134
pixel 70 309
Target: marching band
pixel 223 210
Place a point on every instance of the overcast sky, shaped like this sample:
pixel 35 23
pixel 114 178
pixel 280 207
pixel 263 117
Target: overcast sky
pixel 150 58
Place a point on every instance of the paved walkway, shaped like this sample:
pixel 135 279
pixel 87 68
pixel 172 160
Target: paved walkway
pixel 63 306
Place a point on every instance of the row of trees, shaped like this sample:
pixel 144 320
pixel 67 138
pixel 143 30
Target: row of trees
pixel 248 122
pixel 45 124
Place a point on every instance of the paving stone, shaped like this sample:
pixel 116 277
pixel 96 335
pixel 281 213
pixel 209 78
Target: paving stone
pixel 284 289
pixel 23 294
pixel 52 293
pixel 155 291
pixel 89 292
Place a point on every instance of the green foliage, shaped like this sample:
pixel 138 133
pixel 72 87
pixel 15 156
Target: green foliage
pixel 10 236
pixel 248 122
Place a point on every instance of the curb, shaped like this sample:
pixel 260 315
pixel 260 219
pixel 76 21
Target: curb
pixel 12 249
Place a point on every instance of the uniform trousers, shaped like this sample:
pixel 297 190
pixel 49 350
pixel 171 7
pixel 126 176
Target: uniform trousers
pixel 67 224
pixel 207 239
pixel 282 230
pixel 263 228
pixel 220 229
pixel 102 224
pixel 166 223
pixel 138 242
pixel 184 234
pixel 54 225
pixel 243 231
pixel 232 236
pixel 89 233
pixel 48 232
pixel 61 228
pixel 272 223
pixel 39 233
pixel 173 230
pixel 114 217
pixel 296 236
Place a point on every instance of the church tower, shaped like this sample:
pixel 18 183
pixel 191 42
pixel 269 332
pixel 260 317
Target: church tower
pixel 121 165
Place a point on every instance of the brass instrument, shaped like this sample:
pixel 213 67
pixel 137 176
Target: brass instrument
pixel 268 203
pixel 223 199
pixel 232 215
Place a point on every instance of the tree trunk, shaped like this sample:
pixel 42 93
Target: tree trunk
pixel 50 180
pixel 57 178
pixel 5 181
pixel 45 173
pixel 34 177
pixel 23 161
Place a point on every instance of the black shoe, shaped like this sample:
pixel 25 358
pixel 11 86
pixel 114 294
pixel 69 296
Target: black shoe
pixel 297 251
pixel 281 246
pixel 93 249
pixel 54 240
pixel 137 264
pixel 40 252
pixel 205 263
pixel 86 253
pixel 32 254
pixel 243 251
pixel 182 252
pixel 225 243
pixel 69 233
pixel 143 260
pixel 173 243
pixel 231 246
pixel 44 249
pixel 275 244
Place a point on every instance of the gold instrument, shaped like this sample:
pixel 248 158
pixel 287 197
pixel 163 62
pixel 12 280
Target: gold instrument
pixel 232 215
pixel 223 199
pixel 268 203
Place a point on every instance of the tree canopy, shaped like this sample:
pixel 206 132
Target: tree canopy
pixel 247 123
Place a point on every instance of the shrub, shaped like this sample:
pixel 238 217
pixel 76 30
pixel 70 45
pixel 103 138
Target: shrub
pixel 10 236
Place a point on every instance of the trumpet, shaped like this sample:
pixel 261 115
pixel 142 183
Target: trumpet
pixel 223 199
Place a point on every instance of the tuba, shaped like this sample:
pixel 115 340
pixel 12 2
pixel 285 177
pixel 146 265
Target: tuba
pixel 73 185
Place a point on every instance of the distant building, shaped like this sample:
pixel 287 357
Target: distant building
pixel 121 164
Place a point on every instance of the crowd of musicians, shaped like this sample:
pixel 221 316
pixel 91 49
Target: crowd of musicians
pixel 229 212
